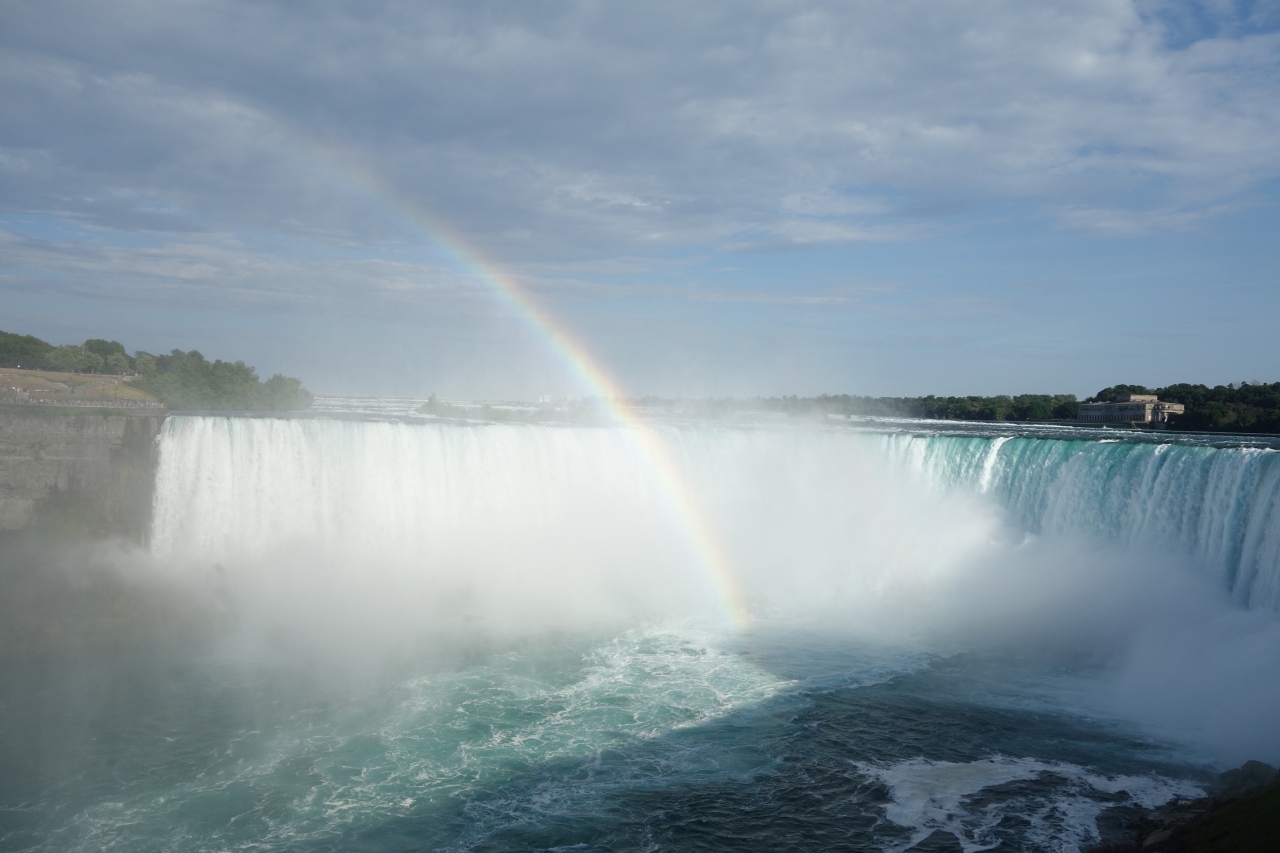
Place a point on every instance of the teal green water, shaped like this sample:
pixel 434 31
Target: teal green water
pixel 659 738
pixel 1219 506
pixel 427 645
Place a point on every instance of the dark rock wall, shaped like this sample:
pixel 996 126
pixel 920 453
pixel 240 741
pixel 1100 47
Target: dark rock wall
pixel 82 471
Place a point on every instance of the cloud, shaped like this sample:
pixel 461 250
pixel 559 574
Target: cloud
pixel 222 272
pixel 575 131
pixel 218 270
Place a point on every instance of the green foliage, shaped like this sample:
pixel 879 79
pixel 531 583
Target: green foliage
pixel 1023 407
pixel 144 363
pixel 1109 395
pixel 93 356
pixel 115 359
pixel 186 380
pixel 1246 407
pixel 23 351
pixel 119 364
pixel 282 392
pixel 181 380
pixel 105 348
pixel 70 358
pixel 1226 408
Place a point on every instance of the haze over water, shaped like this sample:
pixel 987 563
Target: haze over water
pixel 435 635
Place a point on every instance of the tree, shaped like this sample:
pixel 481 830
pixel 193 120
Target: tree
pixel 104 348
pixel 187 380
pixel 1109 395
pixel 119 363
pixel 144 363
pixel 285 392
pixel 23 351
pixel 70 358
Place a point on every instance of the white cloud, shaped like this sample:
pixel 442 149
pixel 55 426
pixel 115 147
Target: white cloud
pixel 222 272
pixel 577 130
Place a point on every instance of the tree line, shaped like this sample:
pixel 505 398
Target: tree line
pixel 180 380
pixel 1238 407
pixel 1242 407
pixel 1003 407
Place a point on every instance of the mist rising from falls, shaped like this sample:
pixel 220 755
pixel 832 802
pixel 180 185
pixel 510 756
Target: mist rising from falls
pixel 385 635
pixel 1160 561
pixel 817 505
pixel 522 525
pixel 1220 507
pixel 429 526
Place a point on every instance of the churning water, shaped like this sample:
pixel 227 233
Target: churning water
pixel 424 636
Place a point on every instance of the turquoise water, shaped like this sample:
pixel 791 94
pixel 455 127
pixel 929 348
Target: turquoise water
pixel 482 638
pixel 1220 506
pixel 659 738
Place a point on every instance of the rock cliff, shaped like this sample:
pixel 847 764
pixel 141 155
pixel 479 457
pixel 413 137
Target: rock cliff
pixel 82 470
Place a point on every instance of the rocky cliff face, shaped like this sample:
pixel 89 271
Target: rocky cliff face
pixel 90 471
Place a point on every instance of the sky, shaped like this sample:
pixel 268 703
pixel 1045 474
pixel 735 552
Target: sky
pixel 729 199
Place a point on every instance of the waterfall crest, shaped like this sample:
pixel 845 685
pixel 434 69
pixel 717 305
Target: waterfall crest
pixel 1218 506
pixel 439 495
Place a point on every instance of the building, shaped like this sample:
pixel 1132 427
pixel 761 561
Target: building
pixel 1143 409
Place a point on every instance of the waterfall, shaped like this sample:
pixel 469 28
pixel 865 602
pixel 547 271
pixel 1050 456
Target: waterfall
pixel 1219 506
pixel 584 507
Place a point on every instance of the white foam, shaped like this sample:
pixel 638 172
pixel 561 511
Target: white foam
pixel 457 735
pixel 929 796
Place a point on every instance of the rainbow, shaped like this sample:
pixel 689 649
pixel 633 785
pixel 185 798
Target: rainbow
pixel 701 536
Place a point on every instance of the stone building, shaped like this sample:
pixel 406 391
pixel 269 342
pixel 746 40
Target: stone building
pixel 1130 409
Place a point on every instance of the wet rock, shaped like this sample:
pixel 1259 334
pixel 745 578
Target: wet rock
pixel 1241 815
pixel 1249 777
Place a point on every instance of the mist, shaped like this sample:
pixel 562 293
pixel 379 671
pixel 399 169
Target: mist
pixel 364 547
pixel 449 628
